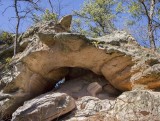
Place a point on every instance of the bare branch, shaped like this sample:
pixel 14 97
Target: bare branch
pixel 50 3
pixel 145 8
pixel 6 9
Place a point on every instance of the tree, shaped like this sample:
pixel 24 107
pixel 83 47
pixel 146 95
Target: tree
pixel 30 10
pixel 54 12
pixel 21 14
pixel 148 10
pixel 6 37
pixel 23 9
pixel 47 16
pixel 95 18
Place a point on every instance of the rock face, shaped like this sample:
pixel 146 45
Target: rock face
pixel 44 108
pixel 92 109
pixel 137 105
pixel 116 56
pixel 50 51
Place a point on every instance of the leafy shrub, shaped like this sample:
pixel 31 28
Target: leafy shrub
pixel 47 16
pixel 6 37
pixel 8 60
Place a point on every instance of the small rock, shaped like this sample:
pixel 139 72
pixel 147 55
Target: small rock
pixel 94 88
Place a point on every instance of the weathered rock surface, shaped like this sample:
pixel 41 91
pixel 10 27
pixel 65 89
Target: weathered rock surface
pixel 117 57
pixel 50 50
pixel 44 108
pixel 137 105
pixel 92 109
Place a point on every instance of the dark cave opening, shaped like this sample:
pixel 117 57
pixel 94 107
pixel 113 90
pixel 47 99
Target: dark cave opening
pixel 81 82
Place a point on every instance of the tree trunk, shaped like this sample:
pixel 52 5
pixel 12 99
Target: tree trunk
pixel 17 27
pixel 150 25
pixel 151 36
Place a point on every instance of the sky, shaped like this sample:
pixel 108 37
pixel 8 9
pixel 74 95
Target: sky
pixel 8 22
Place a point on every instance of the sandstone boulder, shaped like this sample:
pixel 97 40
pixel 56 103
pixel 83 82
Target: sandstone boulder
pixel 89 107
pixel 92 109
pixel 117 57
pixel 137 105
pixel 46 107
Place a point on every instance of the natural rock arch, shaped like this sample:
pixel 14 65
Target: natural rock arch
pixel 46 59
